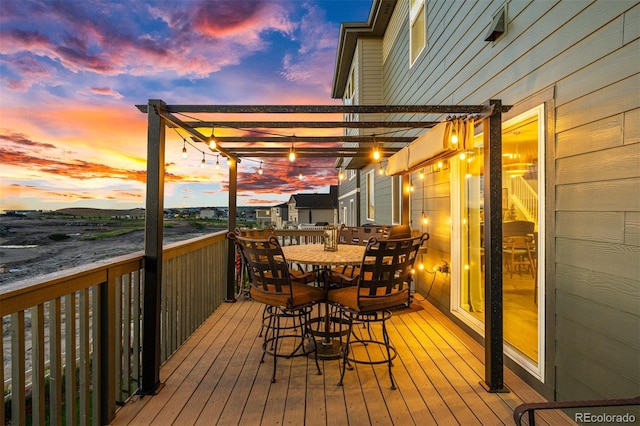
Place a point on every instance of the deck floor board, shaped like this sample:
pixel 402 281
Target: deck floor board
pixel 216 378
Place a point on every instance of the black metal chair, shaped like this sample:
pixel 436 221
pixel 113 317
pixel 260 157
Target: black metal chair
pixel 288 304
pixel 383 283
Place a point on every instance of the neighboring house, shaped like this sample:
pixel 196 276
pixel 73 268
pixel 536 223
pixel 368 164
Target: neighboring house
pixel 263 216
pixel 280 215
pixel 571 168
pixel 313 208
pixel 208 214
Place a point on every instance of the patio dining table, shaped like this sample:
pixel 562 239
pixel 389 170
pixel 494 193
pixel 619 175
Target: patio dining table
pixel 315 256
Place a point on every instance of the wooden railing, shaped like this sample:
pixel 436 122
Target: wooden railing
pixel 74 337
pixel 525 197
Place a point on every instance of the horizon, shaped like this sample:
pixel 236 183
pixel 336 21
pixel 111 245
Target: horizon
pixel 72 137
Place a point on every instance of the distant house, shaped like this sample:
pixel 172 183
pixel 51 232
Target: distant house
pixel 263 216
pixel 208 213
pixel 280 215
pixel 314 208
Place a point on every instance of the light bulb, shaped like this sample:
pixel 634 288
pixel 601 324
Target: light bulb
pixel 203 162
pixel 454 138
pixel 217 162
pixel 376 154
pixel 421 174
pixel 212 143
pixel 300 175
pixel 184 152
pixel 229 161
pixel 292 154
pixel 260 171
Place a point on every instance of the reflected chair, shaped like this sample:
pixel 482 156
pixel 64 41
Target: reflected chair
pixel 383 283
pixel 288 304
pixel 517 237
pixel 519 250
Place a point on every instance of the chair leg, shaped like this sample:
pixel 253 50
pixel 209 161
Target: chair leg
pixel 309 332
pixel 345 350
pixel 387 344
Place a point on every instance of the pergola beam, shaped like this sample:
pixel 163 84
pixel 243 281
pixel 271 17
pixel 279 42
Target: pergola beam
pixel 310 139
pixel 194 133
pixel 309 152
pixel 243 125
pixel 327 109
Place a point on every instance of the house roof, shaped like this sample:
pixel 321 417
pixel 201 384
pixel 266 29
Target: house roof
pixel 317 201
pixel 376 25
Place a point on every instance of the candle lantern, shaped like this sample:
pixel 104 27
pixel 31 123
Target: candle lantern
pixel 330 238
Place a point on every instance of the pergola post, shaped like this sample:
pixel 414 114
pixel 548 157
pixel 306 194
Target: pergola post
pixel 493 326
pixel 153 250
pixel 231 250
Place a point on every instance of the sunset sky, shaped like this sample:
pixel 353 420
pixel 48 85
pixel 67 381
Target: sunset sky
pixel 71 73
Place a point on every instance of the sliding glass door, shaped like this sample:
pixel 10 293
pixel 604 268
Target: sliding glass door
pixel 522 201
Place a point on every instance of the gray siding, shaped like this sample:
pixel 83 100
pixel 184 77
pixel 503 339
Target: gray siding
pixel 588 54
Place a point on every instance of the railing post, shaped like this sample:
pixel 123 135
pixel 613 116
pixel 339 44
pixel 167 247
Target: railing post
pixel 493 327
pixel 153 249
pixel 231 250
pixel 105 346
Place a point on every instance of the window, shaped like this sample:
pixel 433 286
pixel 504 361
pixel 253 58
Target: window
pixel 371 207
pixel 418 34
pixel 396 200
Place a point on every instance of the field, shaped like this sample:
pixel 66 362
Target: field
pixel 40 244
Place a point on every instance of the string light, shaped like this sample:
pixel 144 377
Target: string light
pixel 212 140
pixel 217 162
pixel 229 161
pixel 380 169
pixel 421 174
pixel 260 171
pixel 203 162
pixel 340 174
pixel 184 148
pixel 376 153
pixel 292 154
pixel 300 174
pixel 425 219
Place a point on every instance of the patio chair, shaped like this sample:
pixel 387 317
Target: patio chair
pixel 288 304
pixel 399 231
pixel 383 283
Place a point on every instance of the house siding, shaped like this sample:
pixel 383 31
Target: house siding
pixel 586 55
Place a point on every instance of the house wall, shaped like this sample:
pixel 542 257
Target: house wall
pixel 586 56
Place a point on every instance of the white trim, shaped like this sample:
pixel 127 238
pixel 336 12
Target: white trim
pixel 349 194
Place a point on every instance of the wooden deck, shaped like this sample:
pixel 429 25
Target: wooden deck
pixel 217 378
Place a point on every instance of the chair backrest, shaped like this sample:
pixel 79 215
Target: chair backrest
pixel 348 235
pixel 399 231
pixel 267 268
pixel 387 266
pixel 517 228
pixel 258 234
pixel 366 233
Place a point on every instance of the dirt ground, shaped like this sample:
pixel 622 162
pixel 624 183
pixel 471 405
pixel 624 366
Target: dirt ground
pixel 26 249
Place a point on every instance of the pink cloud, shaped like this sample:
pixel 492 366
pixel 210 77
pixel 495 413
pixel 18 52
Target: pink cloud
pixel 107 91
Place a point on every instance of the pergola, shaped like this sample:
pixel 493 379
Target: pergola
pixel 410 118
